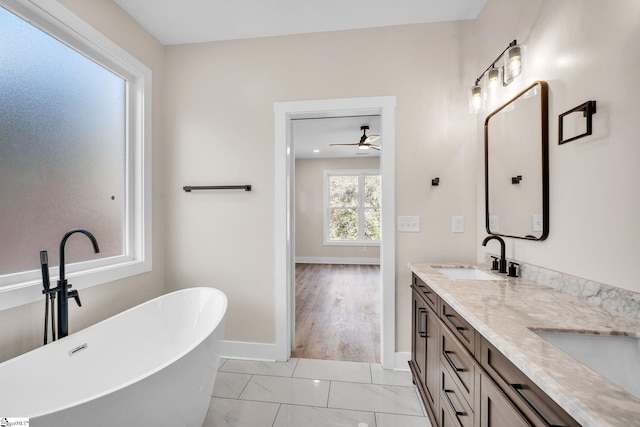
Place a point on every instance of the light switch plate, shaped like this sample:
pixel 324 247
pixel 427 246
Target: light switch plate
pixel 408 224
pixel 457 224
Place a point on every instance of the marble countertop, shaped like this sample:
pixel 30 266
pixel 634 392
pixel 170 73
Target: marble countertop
pixel 506 311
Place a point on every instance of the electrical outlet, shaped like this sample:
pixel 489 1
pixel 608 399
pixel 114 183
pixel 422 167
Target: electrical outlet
pixel 408 224
pixel 536 222
pixel 494 223
pixel 457 224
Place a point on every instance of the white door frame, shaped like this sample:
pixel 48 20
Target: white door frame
pixel 284 214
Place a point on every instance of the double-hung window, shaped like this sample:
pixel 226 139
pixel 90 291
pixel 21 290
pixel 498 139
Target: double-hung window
pixel 74 150
pixel 352 207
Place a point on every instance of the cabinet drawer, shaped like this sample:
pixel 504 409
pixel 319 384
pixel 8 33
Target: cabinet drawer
pixel 461 328
pixel 460 364
pixel 534 404
pixel 454 409
pixel 429 295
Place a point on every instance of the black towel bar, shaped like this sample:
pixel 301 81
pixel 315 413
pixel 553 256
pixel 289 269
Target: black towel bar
pixel 189 188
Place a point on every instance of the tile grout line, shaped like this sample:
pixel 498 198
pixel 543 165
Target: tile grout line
pixel 277 413
pixel 245 387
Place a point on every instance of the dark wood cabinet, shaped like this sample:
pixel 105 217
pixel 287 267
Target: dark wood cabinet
pixel 463 380
pixel 453 402
pixel 532 402
pixel 419 336
pixel 495 409
pixel 424 343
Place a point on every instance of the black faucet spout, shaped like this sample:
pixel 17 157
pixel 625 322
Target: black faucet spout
pixel 503 260
pixel 63 287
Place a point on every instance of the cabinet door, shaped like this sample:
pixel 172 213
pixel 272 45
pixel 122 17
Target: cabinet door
pixel 432 373
pixel 495 409
pixel 419 336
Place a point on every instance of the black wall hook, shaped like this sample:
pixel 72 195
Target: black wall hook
pixel 516 179
pixel 435 181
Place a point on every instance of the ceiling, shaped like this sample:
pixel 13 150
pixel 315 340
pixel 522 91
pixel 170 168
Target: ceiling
pixel 318 133
pixel 195 21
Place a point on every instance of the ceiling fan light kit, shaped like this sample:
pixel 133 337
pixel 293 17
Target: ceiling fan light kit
pixel 365 141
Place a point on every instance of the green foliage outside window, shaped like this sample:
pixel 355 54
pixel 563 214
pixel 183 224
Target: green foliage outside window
pixel 354 199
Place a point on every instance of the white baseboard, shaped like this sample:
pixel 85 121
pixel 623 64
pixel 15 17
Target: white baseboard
pixel 250 351
pixel 269 352
pixel 402 360
pixel 337 260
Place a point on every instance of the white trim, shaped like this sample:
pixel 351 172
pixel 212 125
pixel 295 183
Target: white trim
pixel 337 260
pixel 25 287
pixel 284 230
pixel 402 360
pixel 248 350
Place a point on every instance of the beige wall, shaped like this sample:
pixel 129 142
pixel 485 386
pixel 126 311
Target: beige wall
pixel 586 50
pixel 309 200
pixel 23 326
pixel 219 129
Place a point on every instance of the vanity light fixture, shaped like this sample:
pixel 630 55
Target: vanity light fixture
pixel 507 67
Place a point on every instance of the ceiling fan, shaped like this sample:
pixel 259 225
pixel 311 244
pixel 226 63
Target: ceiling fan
pixel 365 141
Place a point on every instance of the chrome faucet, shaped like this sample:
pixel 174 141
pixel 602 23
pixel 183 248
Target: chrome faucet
pixel 503 260
pixel 63 289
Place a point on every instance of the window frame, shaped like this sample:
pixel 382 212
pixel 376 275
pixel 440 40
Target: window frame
pixel 360 173
pixel 57 21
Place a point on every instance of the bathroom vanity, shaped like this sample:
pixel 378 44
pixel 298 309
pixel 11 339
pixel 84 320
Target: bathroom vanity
pixel 477 360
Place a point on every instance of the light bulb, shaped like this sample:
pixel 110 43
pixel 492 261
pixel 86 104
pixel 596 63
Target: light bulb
pixel 363 147
pixel 514 63
pixel 493 77
pixel 476 100
pixel 494 83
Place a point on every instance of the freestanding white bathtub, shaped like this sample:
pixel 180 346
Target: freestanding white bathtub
pixel 152 365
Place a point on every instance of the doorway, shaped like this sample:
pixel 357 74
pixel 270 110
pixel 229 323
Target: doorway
pixel 285 232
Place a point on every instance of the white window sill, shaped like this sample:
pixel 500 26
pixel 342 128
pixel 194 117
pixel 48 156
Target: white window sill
pixel 30 291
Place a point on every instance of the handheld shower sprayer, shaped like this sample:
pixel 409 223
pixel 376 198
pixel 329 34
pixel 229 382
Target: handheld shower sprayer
pixel 46 285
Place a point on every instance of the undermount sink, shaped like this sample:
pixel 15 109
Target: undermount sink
pixel 616 357
pixel 467 273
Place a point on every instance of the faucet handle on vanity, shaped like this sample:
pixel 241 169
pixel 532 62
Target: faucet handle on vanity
pixel 513 269
pixel 494 263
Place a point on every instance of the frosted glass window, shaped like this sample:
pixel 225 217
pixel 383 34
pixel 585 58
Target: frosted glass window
pixel 63 127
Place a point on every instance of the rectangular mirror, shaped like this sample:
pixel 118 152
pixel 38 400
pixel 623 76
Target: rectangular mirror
pixel 516 157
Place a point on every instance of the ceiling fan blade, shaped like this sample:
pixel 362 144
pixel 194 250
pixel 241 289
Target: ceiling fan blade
pixel 375 147
pixel 372 138
pixel 344 144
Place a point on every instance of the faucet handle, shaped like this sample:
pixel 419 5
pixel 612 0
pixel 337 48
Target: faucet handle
pixel 74 293
pixel 494 263
pixel 513 270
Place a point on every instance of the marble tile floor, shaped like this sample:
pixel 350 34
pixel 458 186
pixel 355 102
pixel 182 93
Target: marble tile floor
pixel 313 393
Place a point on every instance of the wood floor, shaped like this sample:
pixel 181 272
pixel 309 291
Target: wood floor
pixel 337 312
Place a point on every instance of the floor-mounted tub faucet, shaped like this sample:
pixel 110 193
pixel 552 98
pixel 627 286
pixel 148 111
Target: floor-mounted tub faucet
pixel 503 260
pixel 63 290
